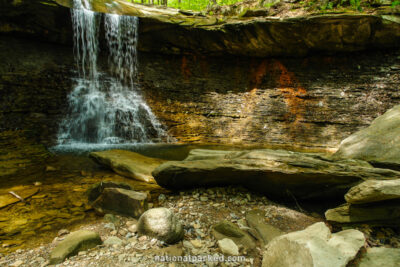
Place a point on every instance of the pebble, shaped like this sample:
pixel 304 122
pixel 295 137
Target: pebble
pixel 196 243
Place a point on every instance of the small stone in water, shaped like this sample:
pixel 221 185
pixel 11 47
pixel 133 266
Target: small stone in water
pixel 62 232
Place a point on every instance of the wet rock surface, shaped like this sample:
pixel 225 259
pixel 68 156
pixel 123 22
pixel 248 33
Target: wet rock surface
pixel 121 201
pixel 129 164
pixel 277 173
pixel 297 103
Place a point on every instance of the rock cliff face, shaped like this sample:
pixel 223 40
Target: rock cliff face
pixel 309 102
pixel 314 102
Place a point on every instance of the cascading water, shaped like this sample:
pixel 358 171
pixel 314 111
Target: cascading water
pixel 106 109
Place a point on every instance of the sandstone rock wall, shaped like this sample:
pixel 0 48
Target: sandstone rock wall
pixel 313 102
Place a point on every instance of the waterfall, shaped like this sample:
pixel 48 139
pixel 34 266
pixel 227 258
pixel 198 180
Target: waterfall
pixel 106 108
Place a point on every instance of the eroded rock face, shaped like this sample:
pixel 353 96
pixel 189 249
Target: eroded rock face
pixel 129 164
pixel 310 103
pixel 277 173
pixel 313 247
pixel 174 32
pixel 378 143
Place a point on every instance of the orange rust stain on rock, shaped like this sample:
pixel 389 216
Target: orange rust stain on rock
pixel 258 74
pixel 186 73
pixel 204 66
pixel 292 92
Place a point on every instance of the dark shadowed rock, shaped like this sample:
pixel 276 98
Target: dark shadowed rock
pixel 169 31
pixel 277 173
pixel 379 143
pixel 95 190
pixel 121 201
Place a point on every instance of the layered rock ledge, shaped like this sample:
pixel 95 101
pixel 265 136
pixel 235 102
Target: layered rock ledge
pixel 276 173
pixel 174 31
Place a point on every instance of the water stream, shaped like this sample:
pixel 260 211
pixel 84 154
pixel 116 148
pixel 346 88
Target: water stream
pixel 106 108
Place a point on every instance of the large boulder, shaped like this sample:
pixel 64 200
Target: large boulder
pixel 95 190
pixel 379 143
pixel 374 191
pixel 121 201
pixel 73 243
pixel 277 173
pixel 129 164
pixel 388 257
pixel 314 247
pixel 162 224
pixel 384 213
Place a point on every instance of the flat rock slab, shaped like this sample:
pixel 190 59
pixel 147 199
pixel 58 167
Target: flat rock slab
pixel 25 192
pixel 387 257
pixel 378 143
pixel 374 191
pixel 313 247
pixel 73 243
pixel 384 213
pixel 277 173
pixel 128 164
pixel 121 201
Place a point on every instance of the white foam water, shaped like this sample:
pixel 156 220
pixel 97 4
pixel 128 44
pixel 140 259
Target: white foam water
pixel 106 108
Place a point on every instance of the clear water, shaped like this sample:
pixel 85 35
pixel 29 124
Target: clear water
pixel 106 108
